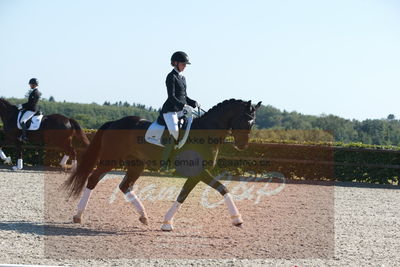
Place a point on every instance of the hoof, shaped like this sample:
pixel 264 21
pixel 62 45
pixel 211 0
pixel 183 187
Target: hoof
pixel 237 220
pixel 144 220
pixel 240 225
pixel 7 160
pixel 77 219
pixel 64 168
pixel 167 227
pixel 15 168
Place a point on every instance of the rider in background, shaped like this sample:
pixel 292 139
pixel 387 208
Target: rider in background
pixel 177 99
pixel 30 107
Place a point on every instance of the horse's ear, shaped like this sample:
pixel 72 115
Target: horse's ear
pixel 249 103
pixel 258 105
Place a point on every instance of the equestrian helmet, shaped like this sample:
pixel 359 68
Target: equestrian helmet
pixel 180 56
pixel 34 81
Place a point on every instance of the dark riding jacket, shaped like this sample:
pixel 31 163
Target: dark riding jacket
pixel 177 97
pixel 33 100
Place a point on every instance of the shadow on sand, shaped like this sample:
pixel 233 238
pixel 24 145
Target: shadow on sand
pixel 44 229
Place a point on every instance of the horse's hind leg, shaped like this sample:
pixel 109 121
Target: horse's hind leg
pixel 3 156
pixel 126 185
pixel 93 180
pixel 69 153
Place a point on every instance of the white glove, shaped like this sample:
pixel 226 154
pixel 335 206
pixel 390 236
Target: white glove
pixel 19 106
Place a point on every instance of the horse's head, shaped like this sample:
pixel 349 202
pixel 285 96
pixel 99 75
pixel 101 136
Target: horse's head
pixel 242 122
pixel 235 116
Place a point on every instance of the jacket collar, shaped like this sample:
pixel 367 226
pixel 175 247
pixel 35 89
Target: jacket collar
pixel 179 73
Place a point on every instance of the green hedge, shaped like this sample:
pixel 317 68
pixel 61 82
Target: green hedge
pixel 329 161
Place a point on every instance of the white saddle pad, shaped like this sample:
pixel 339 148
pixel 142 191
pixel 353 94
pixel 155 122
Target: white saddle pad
pixel 154 133
pixel 36 120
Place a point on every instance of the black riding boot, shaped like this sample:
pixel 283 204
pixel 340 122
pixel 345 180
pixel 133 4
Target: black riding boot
pixel 169 146
pixel 23 137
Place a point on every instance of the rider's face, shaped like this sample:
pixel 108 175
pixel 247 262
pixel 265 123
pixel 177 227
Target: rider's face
pixel 181 66
pixel 32 85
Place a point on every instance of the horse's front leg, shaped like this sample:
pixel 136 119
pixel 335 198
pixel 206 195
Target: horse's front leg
pixel 169 216
pixel 233 210
pixel 20 163
pixel 3 156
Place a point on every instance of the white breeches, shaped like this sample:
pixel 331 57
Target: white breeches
pixel 27 115
pixel 172 119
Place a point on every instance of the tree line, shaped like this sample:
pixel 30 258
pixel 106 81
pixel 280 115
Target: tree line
pixel 92 116
pixel 370 131
pixel 271 123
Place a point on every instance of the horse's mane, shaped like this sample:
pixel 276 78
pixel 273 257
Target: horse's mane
pixel 5 102
pixel 219 105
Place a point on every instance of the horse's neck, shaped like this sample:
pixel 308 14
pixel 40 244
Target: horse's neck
pixel 215 124
pixel 5 110
pixel 217 120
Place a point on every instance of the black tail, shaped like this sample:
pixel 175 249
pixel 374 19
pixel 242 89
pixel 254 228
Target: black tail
pixel 79 133
pixel 78 178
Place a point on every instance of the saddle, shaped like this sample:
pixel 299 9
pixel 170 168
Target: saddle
pixel 34 119
pixel 157 135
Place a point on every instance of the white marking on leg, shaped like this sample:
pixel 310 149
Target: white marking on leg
pixel 131 197
pixel 20 164
pixel 74 164
pixel 2 155
pixel 169 217
pixel 83 202
pixel 64 160
pixel 233 211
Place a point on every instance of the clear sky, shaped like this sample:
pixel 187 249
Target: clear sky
pixel 317 57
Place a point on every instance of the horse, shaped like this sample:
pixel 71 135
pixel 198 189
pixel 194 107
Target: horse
pixel 55 131
pixel 118 143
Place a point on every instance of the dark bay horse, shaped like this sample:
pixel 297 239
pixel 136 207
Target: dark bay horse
pixel 120 143
pixel 55 131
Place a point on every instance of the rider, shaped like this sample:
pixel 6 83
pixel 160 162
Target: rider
pixel 177 99
pixel 30 107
